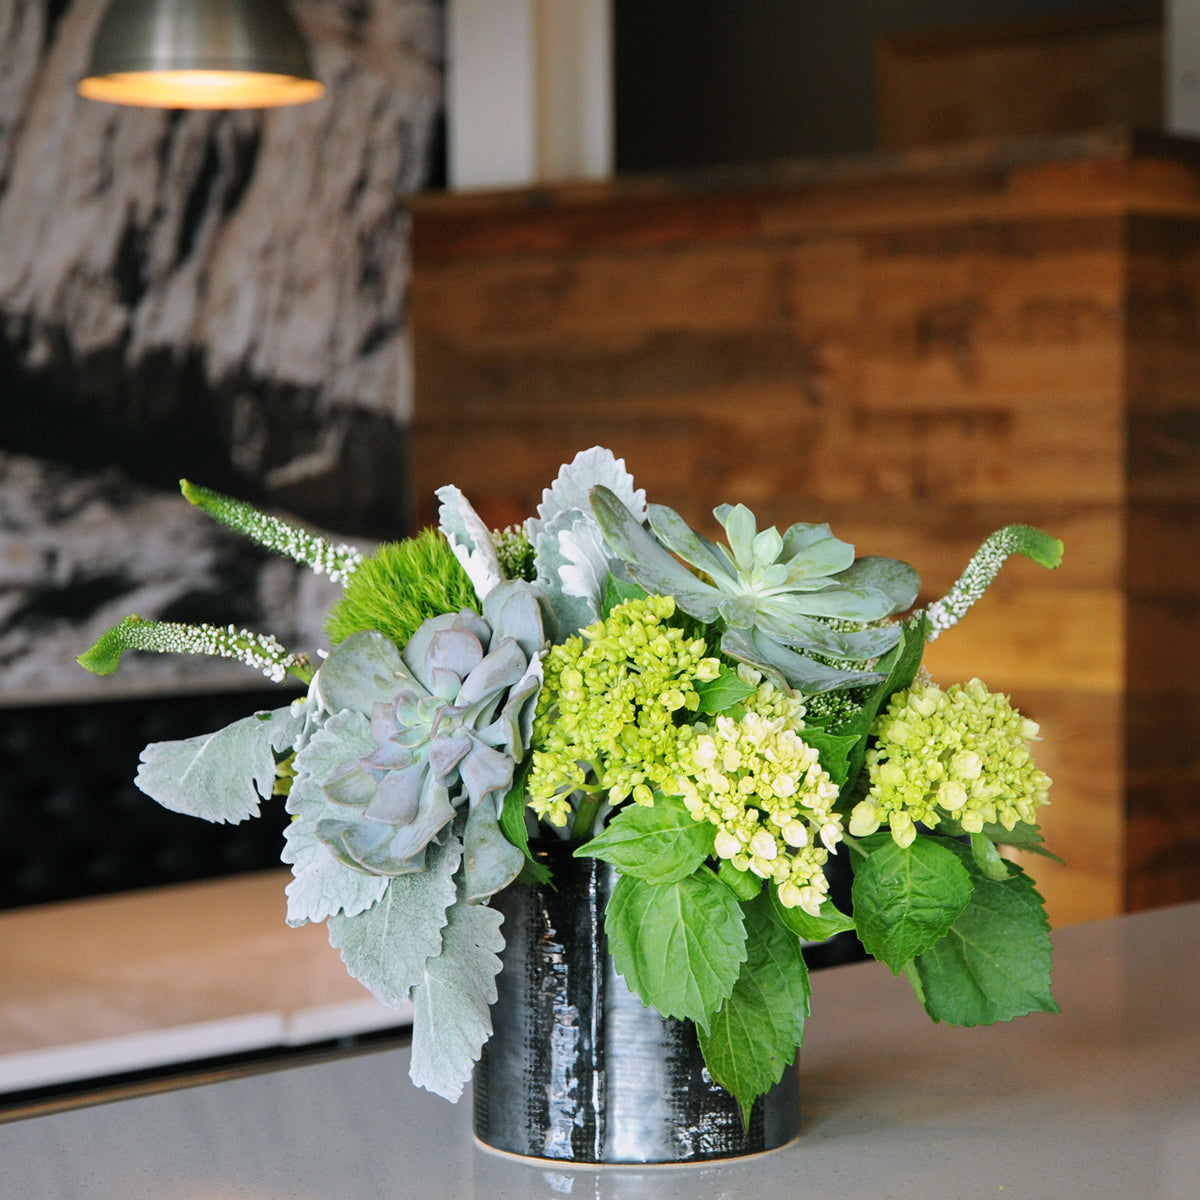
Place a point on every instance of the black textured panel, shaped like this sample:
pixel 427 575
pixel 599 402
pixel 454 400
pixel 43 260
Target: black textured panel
pixel 73 824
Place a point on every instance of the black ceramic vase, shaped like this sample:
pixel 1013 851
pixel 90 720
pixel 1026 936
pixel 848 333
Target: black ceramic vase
pixel 577 1069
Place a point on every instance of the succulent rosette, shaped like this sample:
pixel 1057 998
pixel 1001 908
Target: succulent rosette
pixel 449 719
pixel 717 720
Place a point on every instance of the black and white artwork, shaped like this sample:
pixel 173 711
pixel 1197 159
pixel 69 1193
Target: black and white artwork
pixel 213 296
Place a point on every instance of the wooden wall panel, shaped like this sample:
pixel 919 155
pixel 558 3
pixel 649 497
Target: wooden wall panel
pixel 1162 695
pixel 1045 74
pixel 918 351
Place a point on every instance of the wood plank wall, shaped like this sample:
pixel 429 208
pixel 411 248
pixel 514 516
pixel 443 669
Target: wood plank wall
pixel 917 350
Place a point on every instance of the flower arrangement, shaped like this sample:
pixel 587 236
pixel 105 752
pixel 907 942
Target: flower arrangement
pixel 715 721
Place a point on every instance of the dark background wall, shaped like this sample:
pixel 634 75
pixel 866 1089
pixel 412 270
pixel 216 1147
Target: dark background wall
pixel 715 81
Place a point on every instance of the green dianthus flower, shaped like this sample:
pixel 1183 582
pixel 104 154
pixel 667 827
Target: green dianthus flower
pixel 961 752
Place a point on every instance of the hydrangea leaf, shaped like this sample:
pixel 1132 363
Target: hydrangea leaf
pixel 617 591
pixel 679 946
pixel 745 885
pixel 900 668
pixel 834 750
pixel 994 963
pixel 809 928
pixel 660 844
pixel 386 947
pixel 905 900
pixel 514 814
pixel 221 777
pixel 451 1000
pixel 987 858
pixel 718 695
pixel 757 1031
pixel 322 885
pixel 1022 836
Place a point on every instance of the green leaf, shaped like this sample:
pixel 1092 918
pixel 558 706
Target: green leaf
pixel 451 1020
pixel 679 946
pixel 660 844
pixel 809 928
pixel 618 591
pixel 757 1031
pixel 834 749
pixel 512 821
pixel 1021 836
pixel 221 777
pixel 994 964
pixel 717 695
pixel 905 900
pixel 901 667
pixel 745 885
pixel 386 947
pixel 987 857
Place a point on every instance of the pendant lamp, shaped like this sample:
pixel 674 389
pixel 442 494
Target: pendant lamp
pixel 200 54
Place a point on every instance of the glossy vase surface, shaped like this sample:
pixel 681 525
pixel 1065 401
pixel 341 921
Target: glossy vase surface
pixel 577 1069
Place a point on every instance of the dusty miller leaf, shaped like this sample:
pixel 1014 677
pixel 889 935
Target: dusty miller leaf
pixel 386 947
pixel 451 1020
pixel 221 777
pixel 322 885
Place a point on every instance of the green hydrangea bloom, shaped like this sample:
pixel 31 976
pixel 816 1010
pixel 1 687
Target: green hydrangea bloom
pixel 763 787
pixel 606 715
pixel 961 752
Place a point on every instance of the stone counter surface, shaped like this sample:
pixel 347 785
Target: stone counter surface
pixel 1101 1102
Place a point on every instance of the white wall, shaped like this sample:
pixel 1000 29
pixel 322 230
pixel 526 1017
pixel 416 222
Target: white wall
pixel 529 92
pixel 1181 75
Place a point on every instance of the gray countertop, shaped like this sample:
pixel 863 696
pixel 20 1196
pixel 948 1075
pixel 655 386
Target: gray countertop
pixel 1101 1101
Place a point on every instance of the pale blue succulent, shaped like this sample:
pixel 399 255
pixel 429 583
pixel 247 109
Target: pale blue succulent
pixel 793 604
pixel 449 718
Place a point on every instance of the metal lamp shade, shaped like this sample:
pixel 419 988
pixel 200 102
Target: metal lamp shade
pixel 200 54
